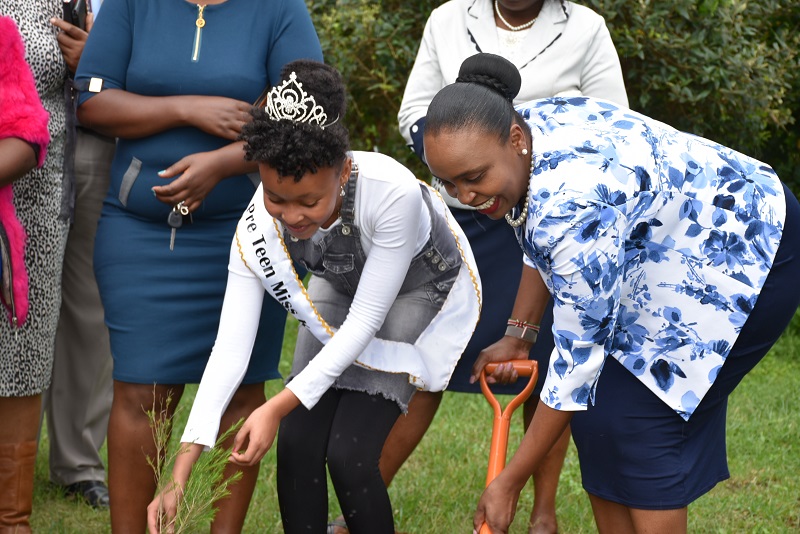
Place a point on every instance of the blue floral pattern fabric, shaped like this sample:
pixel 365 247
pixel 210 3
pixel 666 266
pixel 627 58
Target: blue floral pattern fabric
pixel 654 243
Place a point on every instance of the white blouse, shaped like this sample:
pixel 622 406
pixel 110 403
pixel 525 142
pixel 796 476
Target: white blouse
pixel 567 52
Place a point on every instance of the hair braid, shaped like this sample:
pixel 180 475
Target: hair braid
pixel 490 82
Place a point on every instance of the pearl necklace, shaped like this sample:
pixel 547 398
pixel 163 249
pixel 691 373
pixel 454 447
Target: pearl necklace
pixel 509 26
pixel 523 216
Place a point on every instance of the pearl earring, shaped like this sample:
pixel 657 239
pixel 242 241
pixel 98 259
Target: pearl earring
pixel 342 193
pixel 524 151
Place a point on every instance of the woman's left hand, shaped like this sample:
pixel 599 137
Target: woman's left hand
pixel 497 507
pixel 197 175
pixel 256 436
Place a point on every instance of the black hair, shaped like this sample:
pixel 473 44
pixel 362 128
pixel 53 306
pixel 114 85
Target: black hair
pixel 294 148
pixel 482 96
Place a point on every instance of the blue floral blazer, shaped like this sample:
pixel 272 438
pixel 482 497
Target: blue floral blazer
pixel 653 242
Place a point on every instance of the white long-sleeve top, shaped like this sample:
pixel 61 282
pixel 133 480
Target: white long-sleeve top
pixel 567 52
pixel 395 225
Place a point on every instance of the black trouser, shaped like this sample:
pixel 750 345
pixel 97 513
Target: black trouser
pixel 347 429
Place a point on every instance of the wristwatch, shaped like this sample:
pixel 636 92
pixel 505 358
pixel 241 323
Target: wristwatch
pixel 524 333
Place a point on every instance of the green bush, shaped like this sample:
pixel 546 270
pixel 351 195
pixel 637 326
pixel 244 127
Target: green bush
pixel 373 44
pixel 723 69
pixel 783 148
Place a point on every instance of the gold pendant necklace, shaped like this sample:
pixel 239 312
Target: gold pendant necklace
pixel 198 32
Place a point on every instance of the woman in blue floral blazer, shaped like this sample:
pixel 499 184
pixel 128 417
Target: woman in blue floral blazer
pixel 667 252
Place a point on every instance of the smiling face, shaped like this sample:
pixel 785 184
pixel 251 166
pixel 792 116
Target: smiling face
pixel 305 206
pixel 479 169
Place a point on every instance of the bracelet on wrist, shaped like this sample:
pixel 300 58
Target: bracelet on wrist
pixel 523 324
pixel 524 333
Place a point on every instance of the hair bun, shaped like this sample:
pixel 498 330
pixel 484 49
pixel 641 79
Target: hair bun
pixel 492 71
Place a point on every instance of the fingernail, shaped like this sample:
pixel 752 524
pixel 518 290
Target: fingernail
pixel 162 172
pixel 153 189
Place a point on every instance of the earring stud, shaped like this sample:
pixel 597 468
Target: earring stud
pixel 342 193
pixel 524 151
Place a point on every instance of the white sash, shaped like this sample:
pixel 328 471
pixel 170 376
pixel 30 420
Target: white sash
pixel 430 361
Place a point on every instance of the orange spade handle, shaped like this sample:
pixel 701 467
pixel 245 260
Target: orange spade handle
pixel 502 419
pixel 523 367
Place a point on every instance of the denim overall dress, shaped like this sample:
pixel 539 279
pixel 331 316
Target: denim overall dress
pixel 336 262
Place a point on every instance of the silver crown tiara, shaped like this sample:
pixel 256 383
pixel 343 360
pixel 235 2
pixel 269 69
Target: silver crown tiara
pixel 290 102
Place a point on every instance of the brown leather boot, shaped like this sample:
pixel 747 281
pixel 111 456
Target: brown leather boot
pixel 16 486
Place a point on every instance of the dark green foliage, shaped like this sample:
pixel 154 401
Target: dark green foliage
pixel 783 149
pixel 723 69
pixel 373 44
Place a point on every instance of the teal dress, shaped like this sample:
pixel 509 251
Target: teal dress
pixel 163 306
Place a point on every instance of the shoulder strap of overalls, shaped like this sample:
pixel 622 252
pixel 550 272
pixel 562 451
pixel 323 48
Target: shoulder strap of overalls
pixel 348 210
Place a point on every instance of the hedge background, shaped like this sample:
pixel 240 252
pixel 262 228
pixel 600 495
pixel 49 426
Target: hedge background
pixel 723 69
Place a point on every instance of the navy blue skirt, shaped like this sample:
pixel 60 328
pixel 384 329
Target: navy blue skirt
pixel 163 307
pixel 636 451
pixel 499 259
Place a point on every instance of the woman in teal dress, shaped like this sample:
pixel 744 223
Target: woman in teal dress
pixel 174 81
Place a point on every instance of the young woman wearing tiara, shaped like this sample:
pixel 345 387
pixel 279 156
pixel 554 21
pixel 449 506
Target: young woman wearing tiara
pixel 670 260
pixel 391 303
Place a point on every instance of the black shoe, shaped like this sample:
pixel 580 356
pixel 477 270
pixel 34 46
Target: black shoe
pixel 94 492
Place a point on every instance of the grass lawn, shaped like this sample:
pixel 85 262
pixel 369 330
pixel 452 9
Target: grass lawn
pixel 439 486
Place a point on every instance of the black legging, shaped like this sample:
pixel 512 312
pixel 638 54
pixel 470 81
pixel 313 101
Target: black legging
pixel 349 429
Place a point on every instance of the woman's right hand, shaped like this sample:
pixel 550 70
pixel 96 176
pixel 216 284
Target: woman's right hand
pixel 217 115
pixel 507 348
pixel 161 512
